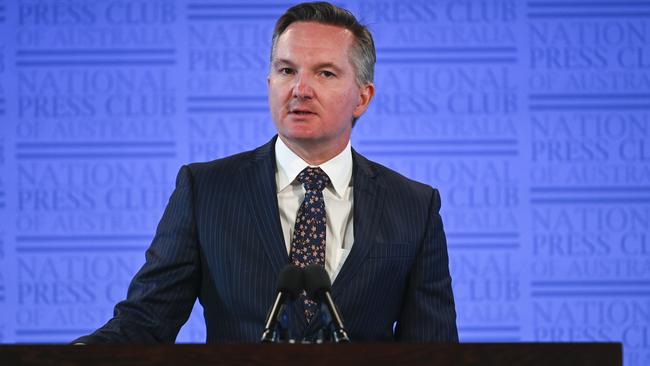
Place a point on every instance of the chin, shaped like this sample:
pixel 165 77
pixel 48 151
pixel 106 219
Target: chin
pixel 303 137
pixel 299 130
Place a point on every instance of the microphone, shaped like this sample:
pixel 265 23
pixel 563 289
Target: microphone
pixel 289 285
pixel 318 286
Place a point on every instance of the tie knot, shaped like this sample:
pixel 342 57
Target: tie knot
pixel 313 179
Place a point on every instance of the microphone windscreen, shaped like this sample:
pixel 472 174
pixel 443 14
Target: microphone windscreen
pixel 290 281
pixel 317 281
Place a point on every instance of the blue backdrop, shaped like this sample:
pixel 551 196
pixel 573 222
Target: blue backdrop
pixel 531 117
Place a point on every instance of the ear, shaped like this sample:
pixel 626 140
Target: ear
pixel 366 93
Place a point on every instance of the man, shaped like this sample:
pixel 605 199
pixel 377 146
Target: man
pixel 305 197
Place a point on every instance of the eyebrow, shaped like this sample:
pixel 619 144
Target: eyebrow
pixel 321 65
pixel 281 61
pixel 329 65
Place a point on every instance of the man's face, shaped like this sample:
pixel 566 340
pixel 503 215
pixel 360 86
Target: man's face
pixel 313 94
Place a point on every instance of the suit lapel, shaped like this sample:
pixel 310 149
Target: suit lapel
pixel 368 207
pixel 259 176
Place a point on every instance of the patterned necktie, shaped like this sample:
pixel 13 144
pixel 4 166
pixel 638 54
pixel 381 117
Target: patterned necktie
pixel 308 242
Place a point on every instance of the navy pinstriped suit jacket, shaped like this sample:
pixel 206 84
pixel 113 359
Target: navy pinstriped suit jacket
pixel 220 240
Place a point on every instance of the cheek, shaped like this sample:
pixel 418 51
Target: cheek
pixel 275 102
pixel 347 101
pixel 274 110
pixel 279 92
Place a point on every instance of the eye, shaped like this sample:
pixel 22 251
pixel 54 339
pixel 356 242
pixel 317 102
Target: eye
pixel 327 74
pixel 286 71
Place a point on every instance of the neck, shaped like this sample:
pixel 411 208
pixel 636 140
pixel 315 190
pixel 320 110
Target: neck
pixel 314 154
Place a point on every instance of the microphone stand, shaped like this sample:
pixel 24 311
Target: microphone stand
pixel 281 332
pixel 329 327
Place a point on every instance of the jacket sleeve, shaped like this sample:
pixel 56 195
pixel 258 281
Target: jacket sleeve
pixel 162 293
pixel 428 313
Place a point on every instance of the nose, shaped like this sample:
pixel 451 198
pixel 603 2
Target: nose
pixel 302 88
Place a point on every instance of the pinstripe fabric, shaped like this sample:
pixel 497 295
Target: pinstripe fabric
pixel 397 269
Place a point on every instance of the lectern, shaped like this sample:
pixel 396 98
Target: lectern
pixel 501 354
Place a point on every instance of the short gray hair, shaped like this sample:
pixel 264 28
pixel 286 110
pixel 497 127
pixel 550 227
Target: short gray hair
pixel 362 55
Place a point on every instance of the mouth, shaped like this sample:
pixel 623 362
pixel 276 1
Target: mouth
pixel 300 112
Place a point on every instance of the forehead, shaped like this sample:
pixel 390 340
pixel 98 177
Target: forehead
pixel 302 39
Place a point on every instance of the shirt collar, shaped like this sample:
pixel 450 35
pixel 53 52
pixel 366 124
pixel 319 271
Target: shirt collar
pixel 289 165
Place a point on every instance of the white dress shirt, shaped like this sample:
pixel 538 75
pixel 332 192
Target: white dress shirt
pixel 339 235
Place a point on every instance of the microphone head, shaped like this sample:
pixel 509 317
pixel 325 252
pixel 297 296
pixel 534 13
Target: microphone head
pixel 290 281
pixel 317 281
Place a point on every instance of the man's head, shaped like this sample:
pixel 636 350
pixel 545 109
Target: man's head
pixel 362 52
pixel 320 80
